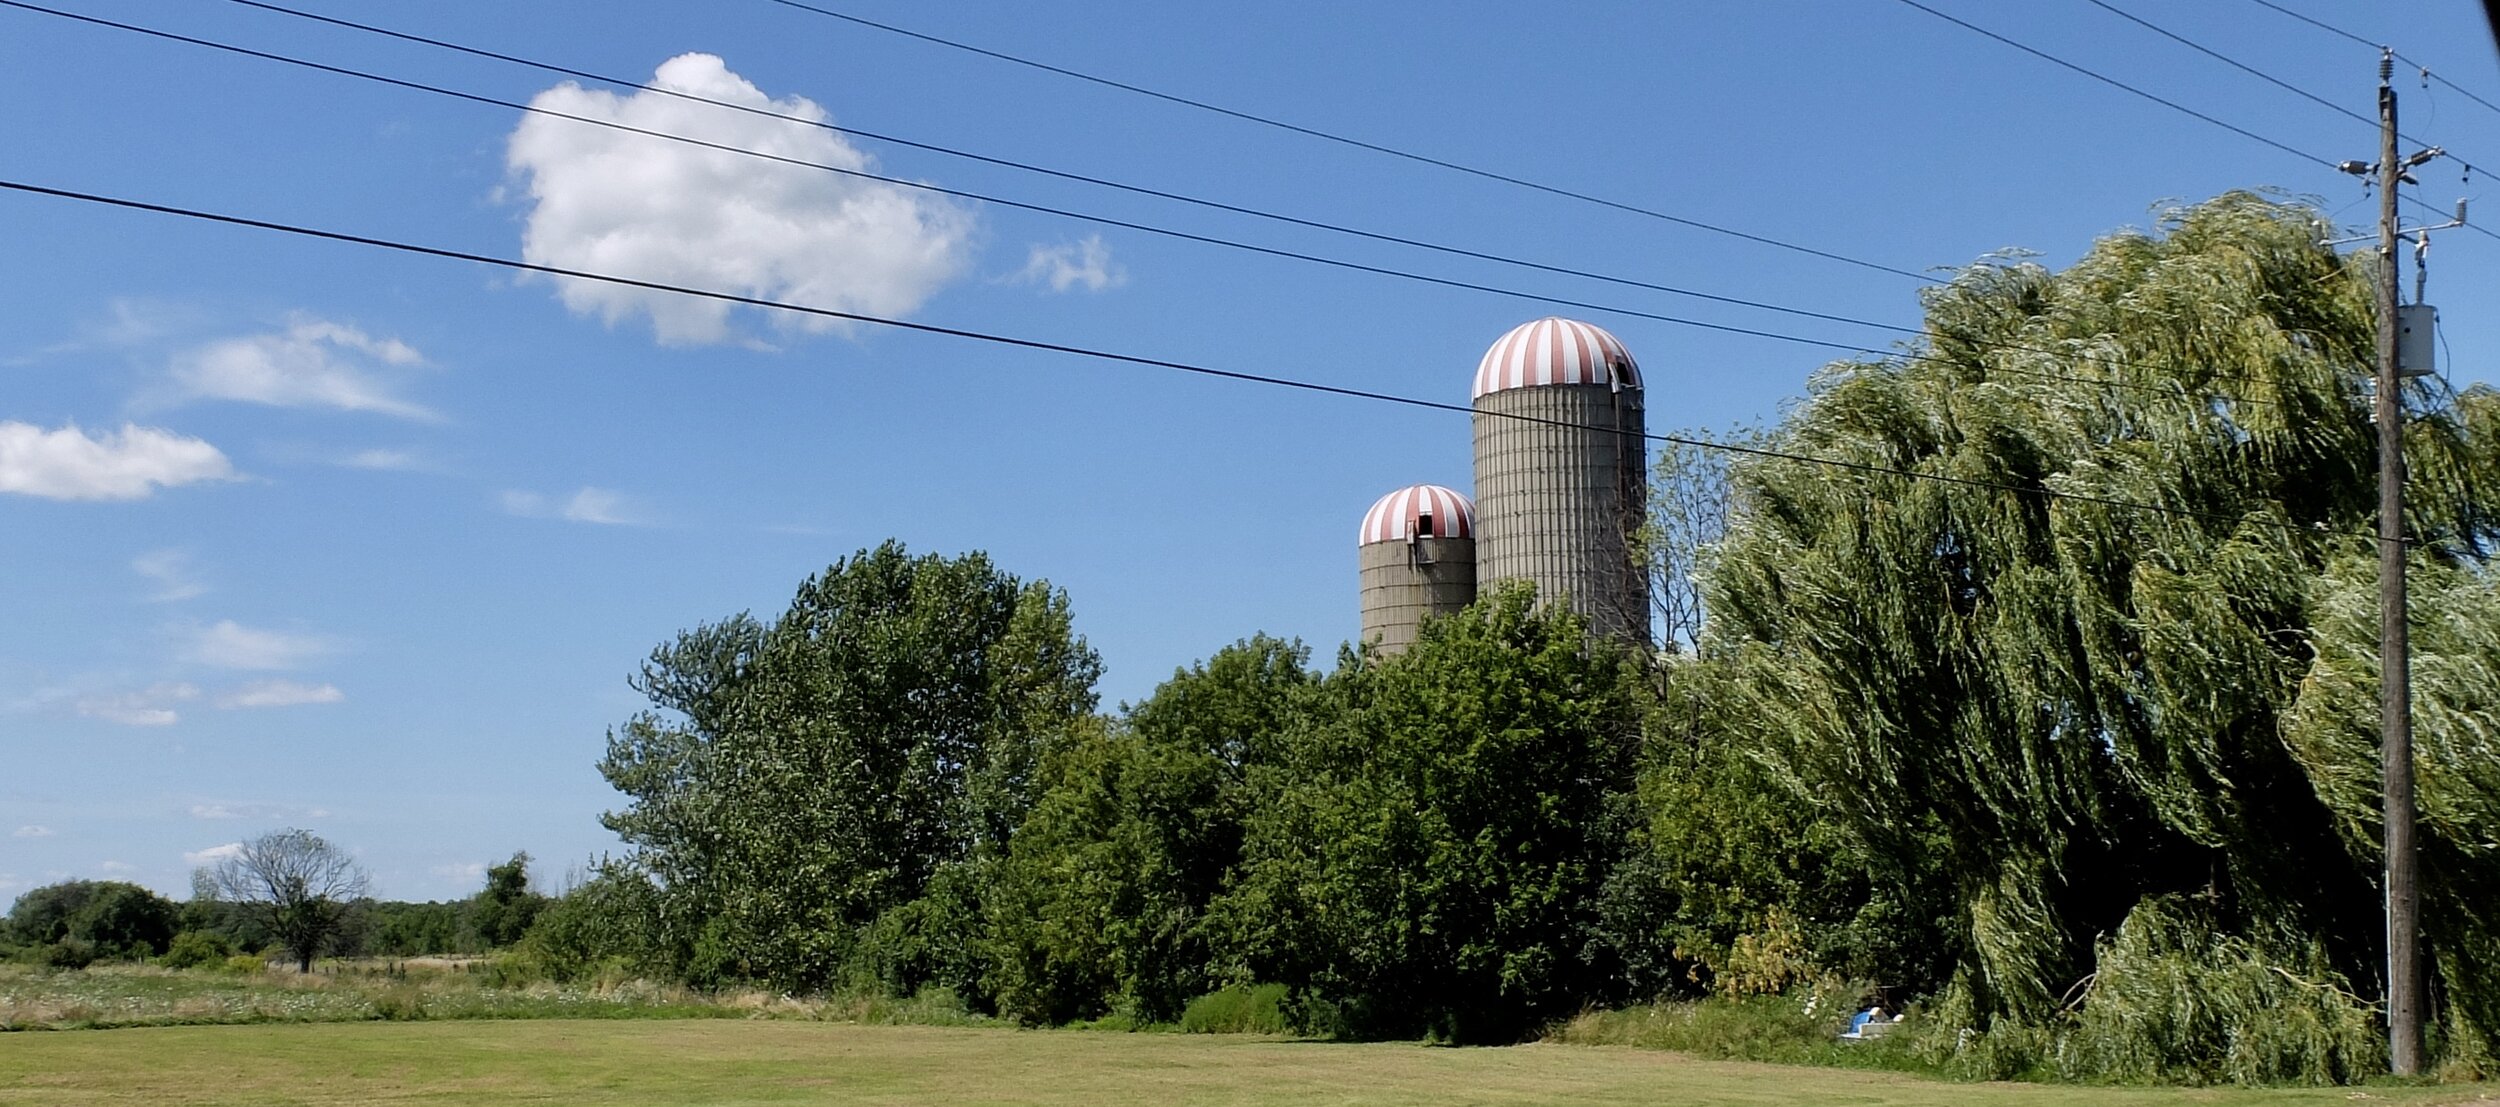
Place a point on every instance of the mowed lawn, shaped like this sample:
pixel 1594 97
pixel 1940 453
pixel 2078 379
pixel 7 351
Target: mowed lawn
pixel 742 1062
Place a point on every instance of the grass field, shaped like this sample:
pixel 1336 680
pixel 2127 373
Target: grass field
pixel 634 1063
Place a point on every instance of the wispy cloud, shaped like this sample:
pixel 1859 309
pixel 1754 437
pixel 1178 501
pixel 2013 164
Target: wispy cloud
pixel 603 506
pixel 31 832
pixel 170 569
pixel 279 693
pixel 312 363
pixel 128 464
pixel 231 645
pixel 469 872
pixel 391 461
pixel 212 854
pixel 265 812
pixel 151 706
pixel 118 867
pixel 1085 263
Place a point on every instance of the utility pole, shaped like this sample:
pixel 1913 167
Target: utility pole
pixel 2404 954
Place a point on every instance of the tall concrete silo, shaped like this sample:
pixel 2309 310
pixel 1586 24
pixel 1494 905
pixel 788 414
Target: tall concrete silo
pixel 1417 555
pixel 1560 471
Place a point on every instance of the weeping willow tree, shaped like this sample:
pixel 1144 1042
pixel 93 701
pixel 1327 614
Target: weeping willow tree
pixel 2111 650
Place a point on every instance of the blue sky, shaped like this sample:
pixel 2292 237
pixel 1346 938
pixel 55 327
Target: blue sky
pixel 299 533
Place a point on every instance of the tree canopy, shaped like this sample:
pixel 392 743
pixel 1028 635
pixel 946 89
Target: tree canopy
pixel 799 778
pixel 298 887
pixel 2109 720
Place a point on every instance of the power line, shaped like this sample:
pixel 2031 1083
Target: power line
pixel 2114 82
pixel 2253 71
pixel 1360 144
pixel 1122 358
pixel 2167 103
pixel 2470 167
pixel 2335 30
pixel 2234 63
pixel 1841 347
pixel 1141 190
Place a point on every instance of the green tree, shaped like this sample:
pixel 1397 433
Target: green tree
pixel 1102 900
pixel 501 913
pixel 399 929
pixel 2076 710
pixel 106 918
pixel 609 920
pixel 1428 856
pixel 796 780
pixel 301 889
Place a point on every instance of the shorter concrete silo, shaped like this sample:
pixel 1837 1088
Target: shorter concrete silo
pixel 1417 554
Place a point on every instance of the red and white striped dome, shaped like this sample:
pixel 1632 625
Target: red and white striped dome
pixel 1554 350
pixel 1423 510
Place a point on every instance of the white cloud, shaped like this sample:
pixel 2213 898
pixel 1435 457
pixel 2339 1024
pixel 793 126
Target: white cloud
pixel 608 201
pixel 129 464
pixel 470 873
pixel 268 812
pixel 590 505
pixel 31 832
pixel 312 363
pixel 279 693
pixel 118 867
pixel 1070 264
pixel 231 645
pixel 212 854
pixel 152 706
pixel 394 461
pixel 171 570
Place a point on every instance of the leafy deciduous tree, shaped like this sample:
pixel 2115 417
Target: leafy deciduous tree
pixel 799 779
pixel 2074 709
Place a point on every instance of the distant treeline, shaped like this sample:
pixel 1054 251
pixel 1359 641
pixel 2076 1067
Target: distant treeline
pixel 75 923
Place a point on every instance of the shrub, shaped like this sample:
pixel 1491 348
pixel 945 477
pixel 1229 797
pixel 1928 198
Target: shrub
pixel 193 948
pixel 246 964
pixel 1259 1009
pixel 609 921
pixel 1797 1027
pixel 68 953
pixel 2174 999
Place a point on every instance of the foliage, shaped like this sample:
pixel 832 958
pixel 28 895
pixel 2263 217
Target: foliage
pixel 610 921
pixel 400 929
pixel 502 912
pixel 1796 1027
pixel 1732 862
pixel 130 995
pixel 297 886
pixel 1238 1009
pixel 83 920
pixel 798 779
pixel 2173 1000
pixel 1102 899
pixel 1429 853
pixel 193 949
pixel 2066 709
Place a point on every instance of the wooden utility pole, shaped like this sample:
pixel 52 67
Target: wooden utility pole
pixel 2404 954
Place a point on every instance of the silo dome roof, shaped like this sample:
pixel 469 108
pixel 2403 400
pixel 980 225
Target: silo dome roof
pixel 1421 510
pixel 1554 350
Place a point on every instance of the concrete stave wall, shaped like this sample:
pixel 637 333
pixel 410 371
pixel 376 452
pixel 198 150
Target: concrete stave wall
pixel 1560 495
pixel 1399 591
